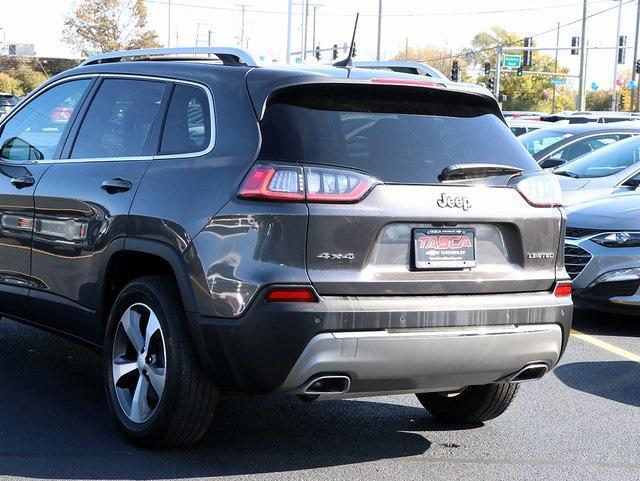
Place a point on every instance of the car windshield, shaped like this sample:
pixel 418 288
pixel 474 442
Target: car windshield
pixel 605 161
pixel 540 139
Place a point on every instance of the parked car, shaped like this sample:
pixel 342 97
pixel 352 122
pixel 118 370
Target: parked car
pixel 590 117
pixel 522 115
pixel 602 253
pixel 610 170
pixel 289 236
pixel 558 144
pixel 7 102
pixel 520 127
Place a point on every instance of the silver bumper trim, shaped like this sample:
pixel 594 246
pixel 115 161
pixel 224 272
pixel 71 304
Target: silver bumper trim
pixel 421 360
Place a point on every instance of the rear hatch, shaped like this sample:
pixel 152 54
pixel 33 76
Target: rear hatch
pixel 413 230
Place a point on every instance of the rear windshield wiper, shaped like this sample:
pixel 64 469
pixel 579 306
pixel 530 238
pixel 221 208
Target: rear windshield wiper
pixel 567 173
pixel 476 171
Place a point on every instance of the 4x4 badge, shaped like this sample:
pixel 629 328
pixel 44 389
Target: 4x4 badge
pixel 459 201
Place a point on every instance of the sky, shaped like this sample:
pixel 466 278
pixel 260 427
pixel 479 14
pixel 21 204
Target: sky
pixel 450 24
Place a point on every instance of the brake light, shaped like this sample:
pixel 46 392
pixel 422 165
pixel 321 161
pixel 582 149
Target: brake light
pixel 399 81
pixel 292 294
pixel 313 184
pixel 541 190
pixel 563 289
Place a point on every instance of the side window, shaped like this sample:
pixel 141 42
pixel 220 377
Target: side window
pixel 119 119
pixel 34 132
pixel 187 128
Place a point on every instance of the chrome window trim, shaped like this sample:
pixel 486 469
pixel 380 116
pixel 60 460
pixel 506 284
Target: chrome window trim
pixel 631 134
pixel 207 150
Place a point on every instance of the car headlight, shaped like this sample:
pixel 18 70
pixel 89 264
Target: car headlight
pixel 618 239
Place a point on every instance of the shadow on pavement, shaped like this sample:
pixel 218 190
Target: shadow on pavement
pixel 594 323
pixel 614 380
pixel 54 424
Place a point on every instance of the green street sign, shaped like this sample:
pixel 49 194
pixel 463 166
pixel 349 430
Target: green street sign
pixel 512 61
pixel 558 81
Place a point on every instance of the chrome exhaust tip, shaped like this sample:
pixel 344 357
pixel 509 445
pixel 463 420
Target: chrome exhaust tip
pixel 327 384
pixel 531 372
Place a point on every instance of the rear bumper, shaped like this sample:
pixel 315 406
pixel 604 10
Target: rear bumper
pixel 268 348
pixel 424 360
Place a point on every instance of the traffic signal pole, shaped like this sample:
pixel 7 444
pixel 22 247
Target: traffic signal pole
pixel 614 97
pixel 635 98
pixel 496 83
pixel 583 60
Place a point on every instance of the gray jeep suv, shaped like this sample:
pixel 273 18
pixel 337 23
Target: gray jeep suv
pixel 212 225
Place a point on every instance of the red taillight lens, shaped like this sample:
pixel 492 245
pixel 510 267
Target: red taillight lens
pixel 273 183
pixel 563 289
pixel 313 184
pixel 542 190
pixel 291 294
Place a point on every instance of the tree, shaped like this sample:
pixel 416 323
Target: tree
pixel 10 85
pixel 435 57
pixel 107 25
pixel 28 79
pixel 528 92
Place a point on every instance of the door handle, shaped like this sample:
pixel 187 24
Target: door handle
pixel 23 181
pixel 114 186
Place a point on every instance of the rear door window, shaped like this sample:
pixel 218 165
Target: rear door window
pixel 119 119
pixel 187 128
pixel 398 141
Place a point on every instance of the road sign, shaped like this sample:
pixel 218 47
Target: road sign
pixel 512 61
pixel 558 81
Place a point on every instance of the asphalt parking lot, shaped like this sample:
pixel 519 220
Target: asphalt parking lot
pixel 581 422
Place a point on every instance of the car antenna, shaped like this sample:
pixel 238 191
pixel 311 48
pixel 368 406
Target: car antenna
pixel 348 62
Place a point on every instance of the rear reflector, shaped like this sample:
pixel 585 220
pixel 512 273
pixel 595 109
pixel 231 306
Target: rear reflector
pixel 286 182
pixel 563 289
pixel 292 294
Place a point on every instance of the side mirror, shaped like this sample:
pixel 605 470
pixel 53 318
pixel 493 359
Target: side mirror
pixel 551 163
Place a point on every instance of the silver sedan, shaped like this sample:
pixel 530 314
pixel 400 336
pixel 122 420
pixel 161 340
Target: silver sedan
pixel 602 253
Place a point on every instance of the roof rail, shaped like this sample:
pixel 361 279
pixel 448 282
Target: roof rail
pixel 227 55
pixel 405 66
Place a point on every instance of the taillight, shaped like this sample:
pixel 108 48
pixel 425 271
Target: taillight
pixel 542 190
pixel 563 289
pixel 291 294
pixel 313 184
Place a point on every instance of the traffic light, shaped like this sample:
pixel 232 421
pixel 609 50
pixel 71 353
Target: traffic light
pixel 638 66
pixel 318 55
pixel 502 97
pixel 491 84
pixel 455 71
pixel 519 72
pixel 487 68
pixel 528 54
pixel 621 103
pixel 335 51
pixel 622 52
pixel 575 42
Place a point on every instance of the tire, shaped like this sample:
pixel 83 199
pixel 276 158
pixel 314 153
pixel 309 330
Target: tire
pixel 475 404
pixel 148 351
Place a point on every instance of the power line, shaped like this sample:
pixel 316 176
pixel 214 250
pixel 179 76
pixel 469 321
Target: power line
pixel 510 44
pixel 336 14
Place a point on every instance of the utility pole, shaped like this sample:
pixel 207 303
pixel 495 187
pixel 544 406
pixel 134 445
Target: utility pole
pixel 243 7
pixel 614 96
pixel 583 59
pixel 169 23
pixel 380 29
pixel 634 75
pixel 496 81
pixel 553 102
pixel 315 7
pixel 209 38
pixel 305 28
pixel 289 17
pixel 406 48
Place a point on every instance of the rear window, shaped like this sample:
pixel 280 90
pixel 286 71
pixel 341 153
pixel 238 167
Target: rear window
pixel 397 140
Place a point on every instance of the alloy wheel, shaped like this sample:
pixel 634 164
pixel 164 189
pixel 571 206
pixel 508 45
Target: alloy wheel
pixel 139 362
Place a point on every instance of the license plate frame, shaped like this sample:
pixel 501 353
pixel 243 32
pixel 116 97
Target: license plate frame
pixel 443 248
